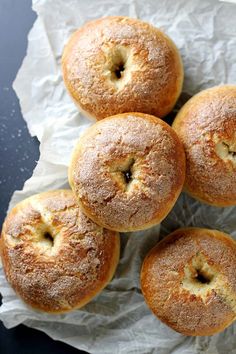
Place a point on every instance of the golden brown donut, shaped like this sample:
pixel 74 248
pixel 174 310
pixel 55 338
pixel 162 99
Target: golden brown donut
pixel 206 125
pixel 127 171
pixel 55 258
pixel 120 64
pixel 189 281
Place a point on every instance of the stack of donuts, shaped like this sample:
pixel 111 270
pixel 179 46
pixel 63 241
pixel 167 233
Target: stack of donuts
pixel 60 248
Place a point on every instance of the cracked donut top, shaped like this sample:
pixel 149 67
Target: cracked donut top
pixel 206 125
pixel 54 257
pixel 189 281
pixel 119 64
pixel 127 171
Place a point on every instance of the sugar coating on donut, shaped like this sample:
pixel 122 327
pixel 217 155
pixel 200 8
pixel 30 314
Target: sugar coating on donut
pixel 207 127
pixel 53 255
pixel 188 280
pixel 119 64
pixel 127 171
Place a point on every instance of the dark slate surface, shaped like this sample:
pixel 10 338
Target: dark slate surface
pixel 18 155
pixel 18 151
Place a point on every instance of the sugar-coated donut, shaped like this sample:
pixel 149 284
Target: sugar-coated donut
pixel 206 124
pixel 189 281
pixel 120 64
pixel 127 171
pixel 54 257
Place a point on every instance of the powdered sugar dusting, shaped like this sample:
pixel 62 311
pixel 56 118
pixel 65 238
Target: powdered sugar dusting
pixel 157 171
pixel 206 120
pixel 65 274
pixel 152 68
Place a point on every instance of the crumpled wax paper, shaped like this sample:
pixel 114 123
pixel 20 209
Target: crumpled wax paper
pixel 118 320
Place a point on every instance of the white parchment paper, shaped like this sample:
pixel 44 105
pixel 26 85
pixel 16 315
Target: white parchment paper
pixel 118 320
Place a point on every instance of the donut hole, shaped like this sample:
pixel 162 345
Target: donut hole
pixel 127 173
pixel 118 65
pixel 122 172
pixel 128 176
pixel 226 151
pixel 118 71
pixel 199 276
pixel 202 277
pixel 48 237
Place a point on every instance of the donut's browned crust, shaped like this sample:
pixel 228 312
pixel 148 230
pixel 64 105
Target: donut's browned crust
pixel 120 64
pixel 189 281
pixel 62 274
pixel 207 127
pixel 138 145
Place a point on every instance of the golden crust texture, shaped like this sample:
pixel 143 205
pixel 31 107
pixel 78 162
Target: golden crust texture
pixel 120 64
pixel 188 280
pixel 127 171
pixel 206 125
pixel 54 257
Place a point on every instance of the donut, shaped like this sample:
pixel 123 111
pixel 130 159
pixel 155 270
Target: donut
pixel 206 125
pixel 119 64
pixel 54 257
pixel 127 171
pixel 189 282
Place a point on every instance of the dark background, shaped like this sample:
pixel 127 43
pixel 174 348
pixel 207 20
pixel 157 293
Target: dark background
pixel 18 155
